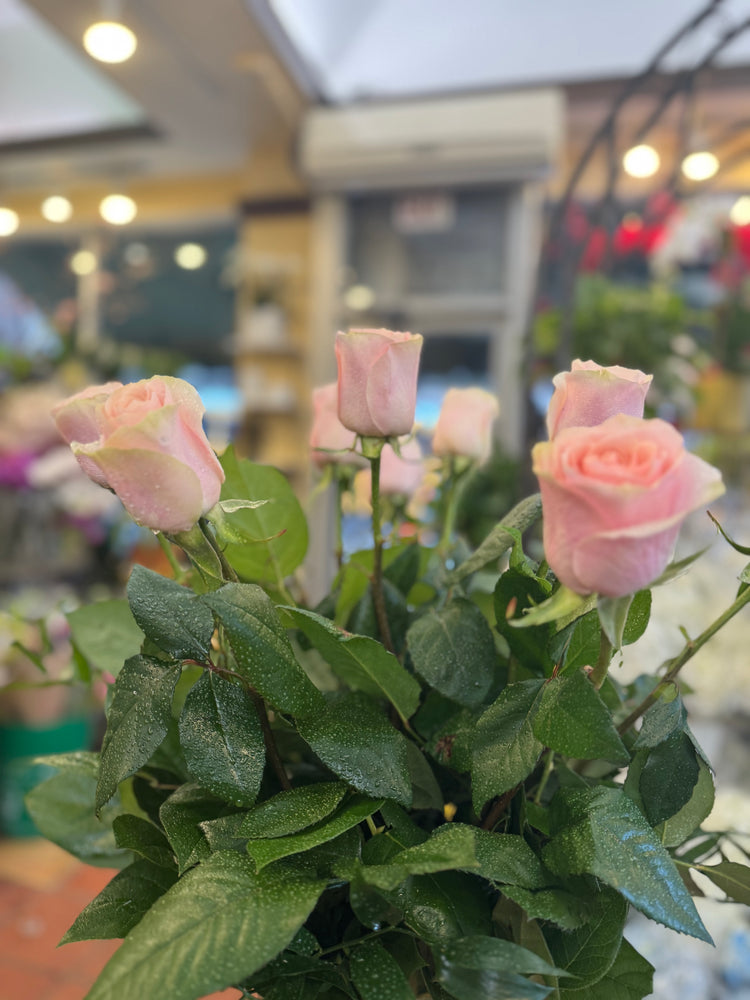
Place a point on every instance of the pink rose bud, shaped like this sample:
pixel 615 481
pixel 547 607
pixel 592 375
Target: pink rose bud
pixel 145 441
pixel 588 394
pixel 613 499
pixel 464 426
pixel 327 430
pixel 378 381
pixel 401 475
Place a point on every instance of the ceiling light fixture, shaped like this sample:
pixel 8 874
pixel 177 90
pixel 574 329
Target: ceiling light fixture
pixel 700 166
pixel 56 208
pixel 8 221
pixel 118 209
pixel 641 161
pixel 739 213
pixel 83 262
pixel 109 40
pixel 190 256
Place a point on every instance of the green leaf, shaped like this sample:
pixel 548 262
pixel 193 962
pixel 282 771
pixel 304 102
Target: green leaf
pixel 360 661
pixel 261 648
pixel 496 955
pixel 505 747
pixel 454 651
pixel 449 847
pixel 639 614
pixel 630 977
pixel 133 833
pixel 578 643
pixel 486 984
pixel 106 633
pixel 426 792
pixel 62 808
pixel 293 810
pixel 675 830
pixel 573 720
pixel 376 974
pixel 613 615
pixel 665 718
pixel 500 539
pixel 180 815
pixel 351 814
pixel 443 906
pixel 275 533
pixel 507 858
pixel 139 717
pixel 218 924
pixel 668 778
pixel 358 744
pixel 588 952
pixel 557 906
pixel 731 877
pixel 170 615
pixel 122 903
pixel 221 738
pixel 603 833
pixel 516 593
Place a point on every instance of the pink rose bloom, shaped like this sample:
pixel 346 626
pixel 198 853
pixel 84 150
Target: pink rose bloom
pixel 588 394
pixel 401 475
pixel 378 381
pixel 145 441
pixel 464 426
pixel 613 499
pixel 327 430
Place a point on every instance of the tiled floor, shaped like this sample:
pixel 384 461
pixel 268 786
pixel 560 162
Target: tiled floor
pixel 42 889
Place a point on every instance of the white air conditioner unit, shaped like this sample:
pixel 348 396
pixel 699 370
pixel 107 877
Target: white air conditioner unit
pixel 483 138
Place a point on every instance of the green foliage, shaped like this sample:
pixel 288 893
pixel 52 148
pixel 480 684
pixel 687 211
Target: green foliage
pixel 468 813
pixel 274 534
pixel 105 634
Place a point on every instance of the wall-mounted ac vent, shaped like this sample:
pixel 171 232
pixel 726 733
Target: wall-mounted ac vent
pixel 484 138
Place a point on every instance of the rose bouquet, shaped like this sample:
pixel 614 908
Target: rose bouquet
pixel 429 784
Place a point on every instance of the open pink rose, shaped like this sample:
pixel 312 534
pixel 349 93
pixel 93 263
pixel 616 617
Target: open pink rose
pixel 588 394
pixel 145 441
pixel 378 381
pixel 327 430
pixel 613 499
pixel 464 426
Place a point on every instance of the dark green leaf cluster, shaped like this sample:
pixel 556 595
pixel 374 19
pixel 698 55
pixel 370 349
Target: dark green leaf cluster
pixel 302 813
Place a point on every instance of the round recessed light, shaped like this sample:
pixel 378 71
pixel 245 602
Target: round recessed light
pixel 190 256
pixel 641 161
pixel 739 213
pixel 700 166
pixel 83 262
pixel 359 298
pixel 8 221
pixel 109 41
pixel 56 208
pixel 118 209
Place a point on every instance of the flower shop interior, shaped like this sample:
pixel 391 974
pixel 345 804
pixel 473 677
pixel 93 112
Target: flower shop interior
pixel 213 190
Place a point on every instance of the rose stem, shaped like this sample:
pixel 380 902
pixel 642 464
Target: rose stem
pixel 340 490
pixel 499 807
pixel 271 749
pixel 451 503
pixel 378 599
pixel 166 547
pixel 691 648
pixel 599 673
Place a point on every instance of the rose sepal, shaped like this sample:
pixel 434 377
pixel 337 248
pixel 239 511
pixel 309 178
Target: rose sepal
pixel 564 603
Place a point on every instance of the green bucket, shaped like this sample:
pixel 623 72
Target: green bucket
pixel 19 746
